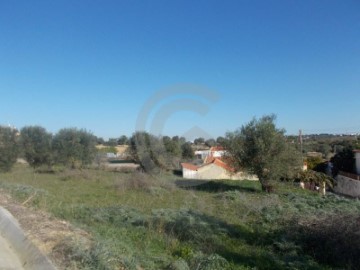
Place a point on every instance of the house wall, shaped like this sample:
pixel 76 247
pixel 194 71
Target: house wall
pixel 347 186
pixel 189 174
pixel 357 158
pixel 212 171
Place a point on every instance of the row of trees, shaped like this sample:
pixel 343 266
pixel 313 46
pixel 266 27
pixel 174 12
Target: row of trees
pixel 69 147
pixel 124 140
pixel 258 147
pixel 76 148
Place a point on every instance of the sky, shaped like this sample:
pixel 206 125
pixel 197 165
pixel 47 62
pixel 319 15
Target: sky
pixel 193 68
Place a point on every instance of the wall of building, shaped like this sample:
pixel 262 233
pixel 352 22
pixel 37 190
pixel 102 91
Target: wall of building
pixel 357 158
pixel 212 171
pixel 189 174
pixel 347 186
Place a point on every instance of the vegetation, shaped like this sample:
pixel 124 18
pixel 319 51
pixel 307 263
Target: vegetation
pixel 261 148
pixel 35 143
pixel 74 148
pixel 159 153
pixel 137 221
pixel 344 160
pixel 8 148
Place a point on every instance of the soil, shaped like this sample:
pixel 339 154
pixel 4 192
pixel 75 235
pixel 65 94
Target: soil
pixel 45 231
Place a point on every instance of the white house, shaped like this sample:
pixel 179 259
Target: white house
pixel 213 152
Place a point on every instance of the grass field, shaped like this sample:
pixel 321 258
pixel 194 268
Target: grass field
pixel 142 222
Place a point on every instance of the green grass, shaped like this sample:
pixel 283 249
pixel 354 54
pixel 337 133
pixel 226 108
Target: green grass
pixel 150 222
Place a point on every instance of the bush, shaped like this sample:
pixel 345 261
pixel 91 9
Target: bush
pixel 74 148
pixel 332 240
pixel 8 148
pixel 36 145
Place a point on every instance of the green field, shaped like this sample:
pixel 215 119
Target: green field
pixel 139 221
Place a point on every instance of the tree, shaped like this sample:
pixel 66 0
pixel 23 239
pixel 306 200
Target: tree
pixel 111 142
pixel 187 151
pixel 154 153
pixel 210 142
pixel 100 140
pixel 8 148
pixel 199 141
pixel 344 160
pixel 123 140
pixel 261 148
pixel 74 148
pixel 220 141
pixel 35 142
pixel 172 146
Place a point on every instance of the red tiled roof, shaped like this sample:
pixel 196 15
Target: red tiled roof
pixel 189 166
pixel 222 164
pixel 218 162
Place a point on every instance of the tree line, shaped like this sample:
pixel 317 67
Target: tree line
pixel 76 148
pixel 258 147
pixel 70 147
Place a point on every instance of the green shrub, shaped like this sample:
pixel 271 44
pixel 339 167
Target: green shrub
pixel 8 148
pixel 332 240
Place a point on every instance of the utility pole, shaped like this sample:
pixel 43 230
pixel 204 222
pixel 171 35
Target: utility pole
pixel 301 141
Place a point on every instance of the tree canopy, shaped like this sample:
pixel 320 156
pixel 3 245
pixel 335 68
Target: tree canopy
pixel 35 142
pixel 8 148
pixel 74 147
pixel 261 148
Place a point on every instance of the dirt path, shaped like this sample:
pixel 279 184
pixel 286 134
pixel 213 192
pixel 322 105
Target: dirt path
pixel 43 230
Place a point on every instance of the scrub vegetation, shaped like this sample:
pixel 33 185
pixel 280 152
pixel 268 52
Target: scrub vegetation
pixel 138 221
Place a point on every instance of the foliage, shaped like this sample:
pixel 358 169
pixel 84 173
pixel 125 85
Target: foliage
pixel 123 140
pixel 261 148
pixel 313 162
pixel 310 176
pixel 150 225
pixel 172 147
pixel 199 141
pixel 210 142
pixel 112 142
pixel 74 148
pixel 149 151
pixel 187 151
pixel 333 240
pixel 36 142
pixel 221 141
pixel 8 148
pixel 344 161
pixel 155 154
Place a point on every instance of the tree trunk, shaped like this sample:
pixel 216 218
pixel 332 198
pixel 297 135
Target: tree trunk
pixel 266 186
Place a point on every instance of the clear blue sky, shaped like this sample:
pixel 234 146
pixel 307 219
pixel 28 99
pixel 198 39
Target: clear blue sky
pixel 94 64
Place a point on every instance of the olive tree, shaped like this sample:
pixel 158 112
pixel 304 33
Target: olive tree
pixel 261 148
pixel 73 147
pixel 8 148
pixel 155 153
pixel 35 143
